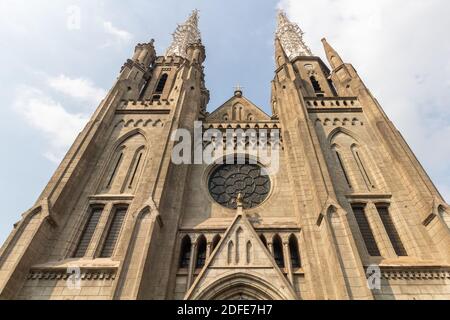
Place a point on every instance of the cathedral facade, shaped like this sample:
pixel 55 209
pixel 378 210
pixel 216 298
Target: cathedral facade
pixel 349 214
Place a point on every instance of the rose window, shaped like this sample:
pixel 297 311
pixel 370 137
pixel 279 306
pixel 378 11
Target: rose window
pixel 228 181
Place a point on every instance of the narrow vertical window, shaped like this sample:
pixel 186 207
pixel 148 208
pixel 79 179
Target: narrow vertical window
pixel 295 253
pixel 185 254
pixel 113 232
pixel 366 231
pixel 278 251
pixel 201 253
pixel 88 232
pixel 392 231
pixel 114 172
pixel 316 85
pixel 161 84
pixel 341 163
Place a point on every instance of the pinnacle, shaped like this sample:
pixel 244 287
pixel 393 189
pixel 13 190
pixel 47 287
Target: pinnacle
pixel 291 37
pixel 185 35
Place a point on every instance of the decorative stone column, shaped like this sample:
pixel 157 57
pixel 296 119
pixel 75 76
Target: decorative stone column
pixel 192 263
pixel 379 232
pixel 100 231
pixel 287 260
pixel 270 246
pixel 208 249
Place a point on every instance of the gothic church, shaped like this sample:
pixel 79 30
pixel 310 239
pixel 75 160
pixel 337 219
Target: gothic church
pixel 350 214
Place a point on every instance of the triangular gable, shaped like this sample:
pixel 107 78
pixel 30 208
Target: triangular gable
pixel 241 264
pixel 239 109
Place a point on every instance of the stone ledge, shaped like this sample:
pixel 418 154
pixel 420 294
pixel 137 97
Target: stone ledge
pixel 414 272
pixel 142 111
pixel 335 110
pixel 63 275
pixel 99 269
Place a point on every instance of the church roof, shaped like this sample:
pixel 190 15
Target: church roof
pixel 238 109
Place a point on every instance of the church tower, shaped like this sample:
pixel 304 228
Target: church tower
pixel 348 214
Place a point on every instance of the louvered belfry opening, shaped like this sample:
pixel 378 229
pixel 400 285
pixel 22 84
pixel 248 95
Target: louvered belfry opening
pixel 366 231
pixel 392 231
pixel 88 232
pixel 113 232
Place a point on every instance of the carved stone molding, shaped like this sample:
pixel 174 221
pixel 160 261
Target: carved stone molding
pixel 60 274
pixel 415 273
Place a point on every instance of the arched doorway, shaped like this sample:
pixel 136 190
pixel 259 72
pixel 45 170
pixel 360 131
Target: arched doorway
pixel 241 286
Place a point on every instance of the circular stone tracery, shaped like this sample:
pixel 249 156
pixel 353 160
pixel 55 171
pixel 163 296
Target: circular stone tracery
pixel 228 181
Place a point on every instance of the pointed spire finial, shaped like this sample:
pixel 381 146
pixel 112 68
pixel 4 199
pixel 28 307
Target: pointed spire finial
pixel 186 34
pixel 291 37
pixel 333 57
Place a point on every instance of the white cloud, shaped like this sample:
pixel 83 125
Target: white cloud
pixel 119 35
pixel 78 88
pixel 400 49
pixel 50 118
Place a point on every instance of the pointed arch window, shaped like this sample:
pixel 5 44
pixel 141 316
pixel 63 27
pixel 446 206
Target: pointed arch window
pixel 161 84
pixel 113 232
pixel 88 232
pixel 185 253
pixel 278 251
pixel 201 253
pixel 126 164
pixel 295 253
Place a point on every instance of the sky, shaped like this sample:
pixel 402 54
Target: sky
pixel 59 58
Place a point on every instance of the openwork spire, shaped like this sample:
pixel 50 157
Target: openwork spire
pixel 185 35
pixel 291 37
